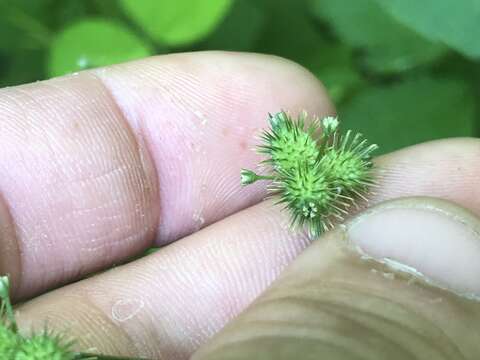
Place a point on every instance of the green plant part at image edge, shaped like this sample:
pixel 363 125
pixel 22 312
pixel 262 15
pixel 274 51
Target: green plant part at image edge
pixel 43 345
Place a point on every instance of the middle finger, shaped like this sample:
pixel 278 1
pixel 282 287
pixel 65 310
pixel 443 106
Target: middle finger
pixel 166 305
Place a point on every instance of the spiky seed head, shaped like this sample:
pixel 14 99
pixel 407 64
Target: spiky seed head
pixel 349 163
pixel 305 190
pixel 345 169
pixel 9 342
pixel 306 193
pixel 45 346
pixel 316 179
pixel 289 144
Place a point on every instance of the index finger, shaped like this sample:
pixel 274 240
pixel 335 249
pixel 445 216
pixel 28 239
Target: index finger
pixel 98 165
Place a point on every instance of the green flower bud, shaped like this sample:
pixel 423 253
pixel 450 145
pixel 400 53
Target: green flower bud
pixel 248 177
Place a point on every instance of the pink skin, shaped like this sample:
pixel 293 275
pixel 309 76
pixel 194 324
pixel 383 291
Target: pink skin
pixel 98 166
pixel 91 175
pixel 200 120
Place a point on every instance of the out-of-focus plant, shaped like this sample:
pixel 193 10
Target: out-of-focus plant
pixel 395 74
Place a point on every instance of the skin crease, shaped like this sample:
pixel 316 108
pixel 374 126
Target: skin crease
pixel 144 116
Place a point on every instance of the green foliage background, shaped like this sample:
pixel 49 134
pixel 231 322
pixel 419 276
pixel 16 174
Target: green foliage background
pixel 400 71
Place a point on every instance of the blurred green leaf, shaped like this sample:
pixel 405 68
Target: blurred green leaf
pixel 340 82
pixel 178 22
pixel 290 32
pixel 330 62
pixel 21 26
pixel 91 43
pixel 64 12
pixel 456 23
pixel 23 66
pixel 333 65
pixel 232 34
pixel 8 40
pixel 389 46
pixel 411 112
pixel 299 40
pixel 108 8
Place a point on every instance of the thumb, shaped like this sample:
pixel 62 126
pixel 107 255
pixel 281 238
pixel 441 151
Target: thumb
pixel 399 281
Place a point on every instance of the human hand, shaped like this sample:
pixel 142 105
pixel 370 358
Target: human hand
pixel 97 167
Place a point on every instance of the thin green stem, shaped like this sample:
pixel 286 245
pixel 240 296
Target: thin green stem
pixel 249 177
pixel 86 356
pixel 264 177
